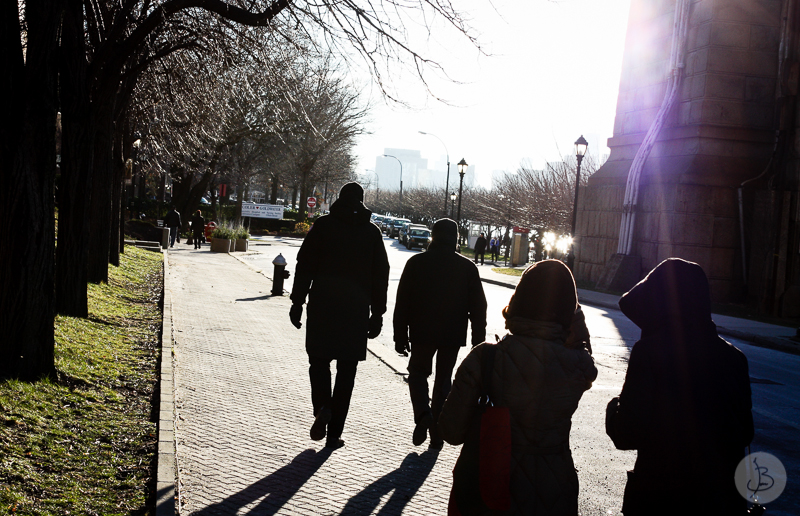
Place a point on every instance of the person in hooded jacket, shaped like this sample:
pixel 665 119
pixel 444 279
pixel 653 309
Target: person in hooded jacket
pixel 439 292
pixel 539 373
pixel 685 405
pixel 343 269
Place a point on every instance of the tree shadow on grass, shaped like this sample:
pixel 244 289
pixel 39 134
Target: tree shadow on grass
pixel 403 483
pixel 273 490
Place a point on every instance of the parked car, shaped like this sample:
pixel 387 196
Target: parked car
pixel 377 219
pixel 404 229
pixel 418 236
pixel 394 229
pixel 386 224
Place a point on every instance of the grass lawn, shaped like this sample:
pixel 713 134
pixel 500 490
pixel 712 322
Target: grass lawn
pixel 85 441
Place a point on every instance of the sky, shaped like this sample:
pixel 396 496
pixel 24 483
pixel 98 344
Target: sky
pixel 552 75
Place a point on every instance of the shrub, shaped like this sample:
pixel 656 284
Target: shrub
pixel 223 232
pixel 241 233
pixel 301 228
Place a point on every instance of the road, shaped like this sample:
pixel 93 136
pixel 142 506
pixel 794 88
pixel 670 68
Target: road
pixel 775 381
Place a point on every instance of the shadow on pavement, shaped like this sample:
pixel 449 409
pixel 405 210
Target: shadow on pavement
pixel 275 489
pixel 257 298
pixel 405 481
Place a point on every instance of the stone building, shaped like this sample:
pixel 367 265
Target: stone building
pixel 710 87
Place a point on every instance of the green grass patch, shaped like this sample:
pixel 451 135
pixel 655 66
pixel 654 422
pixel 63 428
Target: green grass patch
pixel 85 441
pixel 508 270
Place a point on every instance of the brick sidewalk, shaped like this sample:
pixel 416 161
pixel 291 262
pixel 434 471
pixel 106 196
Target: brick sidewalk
pixel 244 410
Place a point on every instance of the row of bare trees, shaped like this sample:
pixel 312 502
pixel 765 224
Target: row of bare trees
pixel 118 70
pixel 538 199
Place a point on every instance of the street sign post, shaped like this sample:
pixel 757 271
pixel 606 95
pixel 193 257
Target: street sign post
pixel 312 202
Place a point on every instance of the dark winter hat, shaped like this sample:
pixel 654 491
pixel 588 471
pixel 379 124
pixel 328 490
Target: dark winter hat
pixel 546 292
pixel 352 193
pixel 445 233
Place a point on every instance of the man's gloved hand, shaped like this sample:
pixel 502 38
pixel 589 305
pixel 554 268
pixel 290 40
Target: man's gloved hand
pixel 402 348
pixel 375 325
pixel 295 313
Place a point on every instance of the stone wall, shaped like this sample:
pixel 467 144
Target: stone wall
pixel 720 133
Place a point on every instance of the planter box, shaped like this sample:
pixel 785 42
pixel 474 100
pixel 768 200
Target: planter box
pixel 241 244
pixel 221 245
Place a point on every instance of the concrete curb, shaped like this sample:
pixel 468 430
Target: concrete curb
pixel 166 468
pixel 776 343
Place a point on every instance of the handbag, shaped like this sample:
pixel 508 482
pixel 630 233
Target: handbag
pixel 482 474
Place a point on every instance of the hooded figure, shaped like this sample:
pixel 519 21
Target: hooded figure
pixel 439 292
pixel 541 380
pixel 343 269
pixel 685 405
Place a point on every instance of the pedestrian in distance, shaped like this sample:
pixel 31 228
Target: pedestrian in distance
pixel 440 291
pixel 173 221
pixel 343 269
pixel 540 375
pixel 494 248
pixel 198 228
pixel 480 248
pixel 685 405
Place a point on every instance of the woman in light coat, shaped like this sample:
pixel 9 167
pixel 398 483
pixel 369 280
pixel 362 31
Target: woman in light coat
pixel 540 374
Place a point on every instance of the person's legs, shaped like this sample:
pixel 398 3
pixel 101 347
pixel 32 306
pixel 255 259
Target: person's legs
pixel 342 392
pixel 445 362
pixel 419 369
pixel 173 233
pixel 319 373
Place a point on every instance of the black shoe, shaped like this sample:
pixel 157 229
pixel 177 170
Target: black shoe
pixel 319 428
pixel 421 430
pixel 436 444
pixel 334 444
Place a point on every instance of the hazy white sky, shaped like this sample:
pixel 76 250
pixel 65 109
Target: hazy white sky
pixel 552 76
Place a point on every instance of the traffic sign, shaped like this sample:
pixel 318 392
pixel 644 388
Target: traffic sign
pixel 312 202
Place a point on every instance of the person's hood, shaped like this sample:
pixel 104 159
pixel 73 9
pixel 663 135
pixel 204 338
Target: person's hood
pixel 675 297
pixel 349 207
pixel 444 235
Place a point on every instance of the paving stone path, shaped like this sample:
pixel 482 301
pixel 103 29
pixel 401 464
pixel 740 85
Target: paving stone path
pixel 243 408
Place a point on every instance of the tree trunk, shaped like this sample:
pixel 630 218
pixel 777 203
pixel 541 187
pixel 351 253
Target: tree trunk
pixel 102 179
pixel 27 173
pixel 273 198
pixel 76 166
pixel 116 200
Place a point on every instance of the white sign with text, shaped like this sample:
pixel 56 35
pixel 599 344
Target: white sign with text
pixel 262 211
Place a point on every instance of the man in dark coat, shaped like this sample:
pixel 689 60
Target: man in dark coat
pixel 343 269
pixel 173 221
pixel 439 291
pixel 480 248
pixel 685 405
pixel 198 228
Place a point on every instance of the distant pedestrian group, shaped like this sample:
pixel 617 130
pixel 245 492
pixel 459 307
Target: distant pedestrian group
pixel 685 405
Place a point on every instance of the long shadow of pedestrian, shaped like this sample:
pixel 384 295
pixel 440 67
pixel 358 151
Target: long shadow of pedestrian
pixel 405 481
pixel 275 489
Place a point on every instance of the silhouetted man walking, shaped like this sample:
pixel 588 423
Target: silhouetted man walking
pixel 343 269
pixel 439 291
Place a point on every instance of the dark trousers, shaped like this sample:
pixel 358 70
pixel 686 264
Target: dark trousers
pixel 419 369
pixel 339 401
pixel 481 254
pixel 495 254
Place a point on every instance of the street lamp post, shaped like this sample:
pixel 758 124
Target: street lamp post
pixel 580 151
pixel 462 169
pixel 452 203
pixel 401 175
pixel 446 181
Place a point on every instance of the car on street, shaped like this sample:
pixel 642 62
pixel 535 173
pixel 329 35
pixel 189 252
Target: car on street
pixel 394 228
pixel 377 219
pixel 386 224
pixel 418 236
pixel 403 235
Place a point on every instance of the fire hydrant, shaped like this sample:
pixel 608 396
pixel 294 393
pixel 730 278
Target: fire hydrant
pixel 279 275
